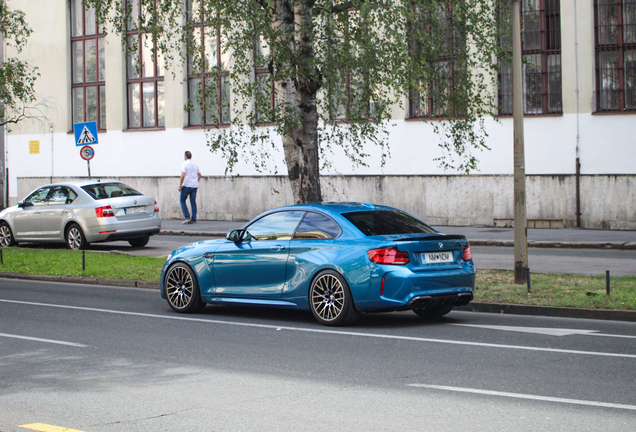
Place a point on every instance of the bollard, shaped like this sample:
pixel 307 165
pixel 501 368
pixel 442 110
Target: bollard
pixel 83 260
pixel 528 280
pixel 607 282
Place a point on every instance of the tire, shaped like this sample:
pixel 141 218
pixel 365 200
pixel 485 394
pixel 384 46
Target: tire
pixel 432 313
pixel 6 236
pixel 75 239
pixel 182 289
pixel 140 241
pixel 330 300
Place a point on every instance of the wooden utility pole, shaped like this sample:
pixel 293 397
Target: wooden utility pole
pixel 3 186
pixel 521 219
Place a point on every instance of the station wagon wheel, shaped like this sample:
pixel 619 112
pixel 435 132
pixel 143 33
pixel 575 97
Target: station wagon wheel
pixel 75 237
pixel 182 289
pixel 139 242
pixel 6 236
pixel 330 299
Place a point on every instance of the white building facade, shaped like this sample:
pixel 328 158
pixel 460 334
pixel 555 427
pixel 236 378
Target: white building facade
pixel 580 129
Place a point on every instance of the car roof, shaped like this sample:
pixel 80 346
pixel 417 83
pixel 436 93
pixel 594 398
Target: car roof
pixel 338 207
pixel 80 183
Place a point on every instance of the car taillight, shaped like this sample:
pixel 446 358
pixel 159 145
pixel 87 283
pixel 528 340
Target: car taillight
pixel 156 207
pixel 106 211
pixel 388 256
pixel 468 254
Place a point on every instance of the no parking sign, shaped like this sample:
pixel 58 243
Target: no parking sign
pixel 87 153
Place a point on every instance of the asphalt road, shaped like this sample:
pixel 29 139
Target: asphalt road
pixel 574 261
pixel 117 359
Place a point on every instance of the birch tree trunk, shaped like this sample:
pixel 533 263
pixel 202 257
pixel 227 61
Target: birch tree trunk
pixel 298 94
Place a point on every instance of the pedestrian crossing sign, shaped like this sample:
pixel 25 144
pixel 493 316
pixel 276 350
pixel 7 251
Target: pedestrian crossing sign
pixel 85 133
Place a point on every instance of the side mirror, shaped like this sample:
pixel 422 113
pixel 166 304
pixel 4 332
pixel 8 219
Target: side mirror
pixel 234 235
pixel 23 204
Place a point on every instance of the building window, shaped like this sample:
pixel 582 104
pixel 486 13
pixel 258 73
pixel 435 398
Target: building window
pixel 208 70
pixel 615 31
pixel 434 96
pixel 87 66
pixel 350 96
pixel 265 102
pixel 144 70
pixel 541 51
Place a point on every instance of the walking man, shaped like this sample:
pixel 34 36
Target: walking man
pixel 190 176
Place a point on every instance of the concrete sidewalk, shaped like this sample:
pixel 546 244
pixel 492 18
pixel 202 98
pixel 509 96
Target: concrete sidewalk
pixel 478 235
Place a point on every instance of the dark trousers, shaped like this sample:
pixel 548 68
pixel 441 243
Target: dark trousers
pixel 192 193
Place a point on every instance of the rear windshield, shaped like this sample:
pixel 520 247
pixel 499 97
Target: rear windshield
pixel 109 190
pixel 387 222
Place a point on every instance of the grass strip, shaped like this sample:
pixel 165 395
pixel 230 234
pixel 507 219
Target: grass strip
pixel 560 290
pixel 66 262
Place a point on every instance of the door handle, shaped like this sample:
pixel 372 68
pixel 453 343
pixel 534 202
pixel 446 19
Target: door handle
pixel 64 211
pixel 208 255
pixel 37 212
pixel 277 248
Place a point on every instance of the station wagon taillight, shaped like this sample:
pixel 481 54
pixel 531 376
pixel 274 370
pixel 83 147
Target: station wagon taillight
pixel 156 207
pixel 106 211
pixel 467 255
pixel 388 256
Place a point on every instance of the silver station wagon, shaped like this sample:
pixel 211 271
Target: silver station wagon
pixel 81 212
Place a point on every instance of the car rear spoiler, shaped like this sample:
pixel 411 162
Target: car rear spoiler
pixel 435 237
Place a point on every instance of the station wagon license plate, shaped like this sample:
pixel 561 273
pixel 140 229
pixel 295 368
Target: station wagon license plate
pixel 129 210
pixel 437 257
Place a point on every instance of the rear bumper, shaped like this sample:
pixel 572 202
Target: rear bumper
pixel 132 235
pixel 109 229
pixel 402 289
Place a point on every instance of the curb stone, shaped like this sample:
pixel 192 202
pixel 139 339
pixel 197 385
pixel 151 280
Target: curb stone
pixel 83 280
pixel 562 312
pixel 513 309
pixel 194 233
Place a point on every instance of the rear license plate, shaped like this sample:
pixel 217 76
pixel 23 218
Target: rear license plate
pixel 437 257
pixel 129 210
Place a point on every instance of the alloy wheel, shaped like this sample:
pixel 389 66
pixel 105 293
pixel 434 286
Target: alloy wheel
pixel 5 236
pixel 74 238
pixel 179 287
pixel 328 297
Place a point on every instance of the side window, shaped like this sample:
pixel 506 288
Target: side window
pixel 317 226
pixel 38 197
pixel 71 196
pixel 58 195
pixel 275 226
pixel 61 195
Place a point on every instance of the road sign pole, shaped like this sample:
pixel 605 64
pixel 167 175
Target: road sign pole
pixel 88 164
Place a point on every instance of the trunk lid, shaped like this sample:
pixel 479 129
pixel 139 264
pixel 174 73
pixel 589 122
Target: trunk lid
pixel 131 207
pixel 435 251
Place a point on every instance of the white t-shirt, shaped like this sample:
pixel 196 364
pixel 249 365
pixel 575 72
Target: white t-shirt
pixel 191 171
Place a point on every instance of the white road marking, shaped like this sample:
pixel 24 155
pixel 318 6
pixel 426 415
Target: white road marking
pixel 53 341
pixel 546 330
pixel 526 396
pixel 324 331
pixel 612 335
